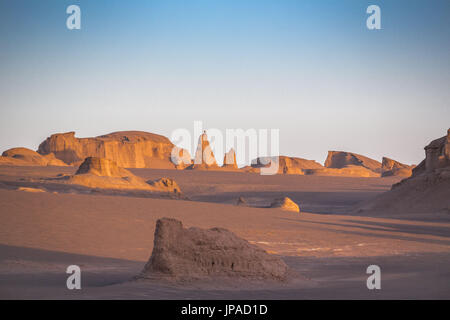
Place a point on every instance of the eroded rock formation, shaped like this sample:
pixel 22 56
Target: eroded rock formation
pixel 391 167
pixel 204 157
pixel 194 253
pixel 341 159
pixel 129 149
pixel 285 204
pixel 27 157
pixel 427 191
pixel 287 165
pixel 229 160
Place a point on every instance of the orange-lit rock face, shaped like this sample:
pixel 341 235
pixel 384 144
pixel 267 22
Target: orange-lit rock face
pixel 341 159
pixel 129 149
pixel 229 160
pixel 24 156
pixel 287 165
pixel 391 167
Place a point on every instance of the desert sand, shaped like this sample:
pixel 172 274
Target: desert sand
pixel 110 237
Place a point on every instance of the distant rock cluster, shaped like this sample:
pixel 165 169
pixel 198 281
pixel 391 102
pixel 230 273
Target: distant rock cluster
pixel 137 149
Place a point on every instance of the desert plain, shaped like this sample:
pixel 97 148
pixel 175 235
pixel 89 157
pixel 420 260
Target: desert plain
pixel 328 245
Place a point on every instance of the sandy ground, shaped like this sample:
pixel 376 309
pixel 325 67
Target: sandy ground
pixel 111 237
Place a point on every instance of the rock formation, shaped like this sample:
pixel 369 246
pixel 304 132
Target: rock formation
pixel 204 157
pixel 348 171
pixel 391 167
pixel 229 160
pixel 287 165
pixel 27 157
pixel 166 184
pixel 129 149
pixel 185 254
pixel 101 173
pixel 426 191
pixel 341 159
pixel 241 202
pixel 285 204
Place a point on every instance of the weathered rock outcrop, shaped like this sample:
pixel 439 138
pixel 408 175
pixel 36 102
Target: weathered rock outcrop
pixel 129 149
pixel 195 253
pixel 27 157
pixel 427 191
pixel 204 157
pixel 341 159
pixel 229 160
pixel 287 165
pixel 285 204
pixel 101 173
pixel 348 171
pixel 391 167
pixel 165 184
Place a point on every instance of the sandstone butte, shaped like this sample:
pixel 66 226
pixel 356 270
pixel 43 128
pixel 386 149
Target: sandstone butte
pixel 426 191
pixel 100 173
pixel 27 157
pixel 341 159
pixel 129 149
pixel 192 253
pixel 229 160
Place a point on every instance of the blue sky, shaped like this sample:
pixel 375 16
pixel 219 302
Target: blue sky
pixel 309 68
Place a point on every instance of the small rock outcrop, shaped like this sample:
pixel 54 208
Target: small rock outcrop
pixel 129 149
pixel 187 254
pixel 166 184
pixel 24 156
pixel 341 159
pixel 285 204
pixel 391 167
pixel 287 165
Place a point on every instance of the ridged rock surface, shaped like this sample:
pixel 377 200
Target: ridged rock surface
pixel 341 159
pixel 391 167
pixel 229 159
pixel 194 253
pixel 129 149
pixel 287 165
pixel 24 156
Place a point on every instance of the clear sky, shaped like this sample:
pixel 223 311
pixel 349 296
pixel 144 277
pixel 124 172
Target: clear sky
pixel 309 68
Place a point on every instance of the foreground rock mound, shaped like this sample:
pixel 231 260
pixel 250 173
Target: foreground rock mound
pixel 285 204
pixel 129 149
pixel 341 159
pixel 427 191
pixel 166 184
pixel 27 157
pixel 195 253
pixel 391 167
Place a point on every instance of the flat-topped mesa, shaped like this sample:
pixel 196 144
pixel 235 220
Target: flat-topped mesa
pixel 391 167
pixel 188 254
pixel 287 165
pixel 129 149
pixel 342 159
pixel 27 157
pixel 204 157
pixel 229 160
